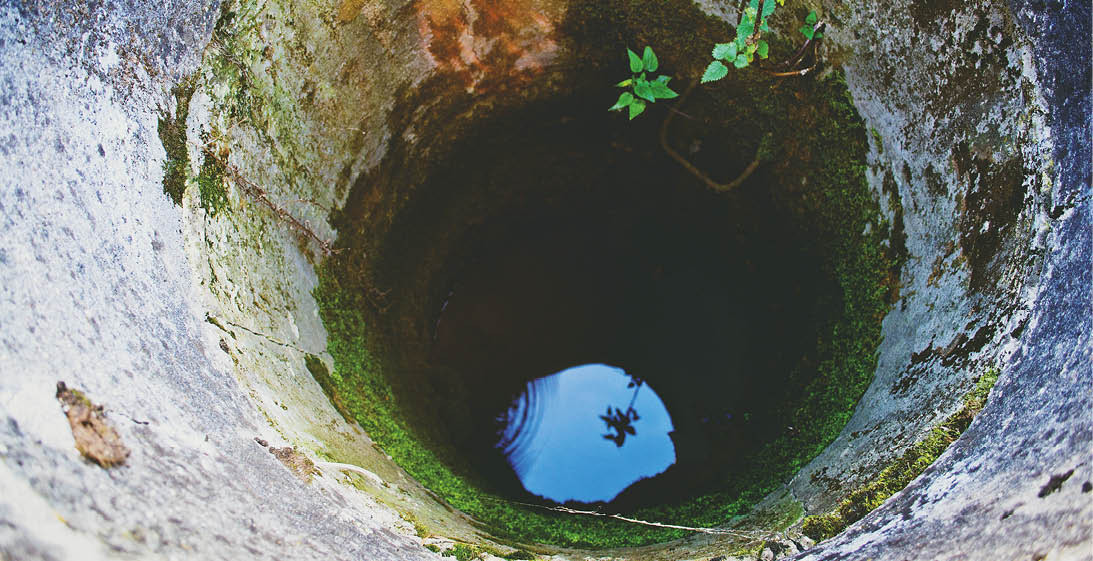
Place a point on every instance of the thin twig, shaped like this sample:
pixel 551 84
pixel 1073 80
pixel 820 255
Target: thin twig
pixel 754 536
pixel 790 62
pixel 350 467
pixel 257 192
pixel 801 72
pixel 678 112
pixel 687 165
pixel 755 34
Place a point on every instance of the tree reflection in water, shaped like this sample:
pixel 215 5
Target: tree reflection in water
pixel 622 421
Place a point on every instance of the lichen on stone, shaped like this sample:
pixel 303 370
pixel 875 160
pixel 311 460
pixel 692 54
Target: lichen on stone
pixel 300 465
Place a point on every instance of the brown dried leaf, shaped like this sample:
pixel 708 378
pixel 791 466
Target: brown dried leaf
pixel 95 438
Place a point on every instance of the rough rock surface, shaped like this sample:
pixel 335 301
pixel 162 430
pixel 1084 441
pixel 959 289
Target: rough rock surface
pixel 1013 487
pixel 95 290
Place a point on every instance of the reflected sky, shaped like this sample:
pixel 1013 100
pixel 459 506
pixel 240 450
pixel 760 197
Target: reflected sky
pixel 554 435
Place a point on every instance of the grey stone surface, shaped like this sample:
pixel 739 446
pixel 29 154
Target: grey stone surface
pixel 95 290
pixel 989 496
pixel 929 80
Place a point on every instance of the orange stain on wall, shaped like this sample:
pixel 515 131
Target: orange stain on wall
pixel 488 43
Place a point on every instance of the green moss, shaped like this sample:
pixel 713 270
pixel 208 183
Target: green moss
pixel 463 552
pixel 328 382
pixel 420 530
pixel 904 469
pixel 210 183
pixel 172 133
pixel 520 554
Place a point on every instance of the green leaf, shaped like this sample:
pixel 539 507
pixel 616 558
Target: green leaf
pixel 649 59
pixel 741 60
pixel 635 61
pixel 714 72
pixel 662 91
pixel 664 79
pixel 644 90
pixel 636 108
pixel 768 7
pixel 624 100
pixel 747 27
pixel 624 83
pixel 724 51
pixel 763 50
pixel 753 5
pixel 811 19
pixel 751 49
pixel 763 26
pixel 819 35
pixel 806 30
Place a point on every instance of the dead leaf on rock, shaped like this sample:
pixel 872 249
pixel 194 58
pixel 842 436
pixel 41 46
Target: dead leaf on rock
pixel 95 438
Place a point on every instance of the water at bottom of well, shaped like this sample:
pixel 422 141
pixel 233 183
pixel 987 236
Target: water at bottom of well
pixel 586 433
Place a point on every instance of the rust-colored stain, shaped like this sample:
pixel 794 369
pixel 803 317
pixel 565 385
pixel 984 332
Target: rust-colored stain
pixel 488 43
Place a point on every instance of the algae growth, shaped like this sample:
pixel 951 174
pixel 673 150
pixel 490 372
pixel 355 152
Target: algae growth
pixel 172 133
pixel 894 477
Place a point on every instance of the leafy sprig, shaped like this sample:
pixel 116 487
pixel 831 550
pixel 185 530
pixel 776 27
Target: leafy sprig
pixel 809 29
pixel 741 51
pixel 640 88
pixel 749 44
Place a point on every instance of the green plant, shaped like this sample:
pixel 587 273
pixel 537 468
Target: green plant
pixel 748 44
pixel 809 30
pixel 640 89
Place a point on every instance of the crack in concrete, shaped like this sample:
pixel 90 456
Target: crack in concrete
pixel 269 338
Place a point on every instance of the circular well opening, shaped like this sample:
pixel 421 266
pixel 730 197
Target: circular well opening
pixel 574 239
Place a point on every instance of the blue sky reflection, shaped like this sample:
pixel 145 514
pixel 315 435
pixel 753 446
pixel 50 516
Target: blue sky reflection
pixel 554 436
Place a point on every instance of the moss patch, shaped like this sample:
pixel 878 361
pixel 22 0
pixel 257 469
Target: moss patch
pixel 210 183
pixel 172 133
pixel 904 469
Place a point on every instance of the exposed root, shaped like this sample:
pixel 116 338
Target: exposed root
pixel 256 192
pixel 687 165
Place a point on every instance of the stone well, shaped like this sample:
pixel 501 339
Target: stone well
pixel 180 177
